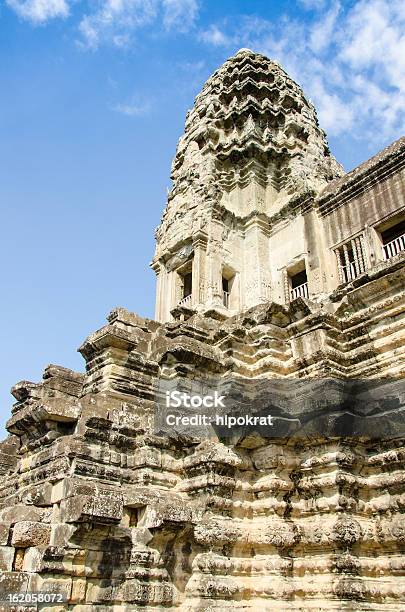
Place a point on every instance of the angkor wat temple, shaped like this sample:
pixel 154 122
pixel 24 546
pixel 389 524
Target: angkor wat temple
pixel 273 267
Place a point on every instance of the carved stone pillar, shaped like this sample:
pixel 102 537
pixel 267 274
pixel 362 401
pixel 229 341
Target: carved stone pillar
pixel 257 277
pixel 161 282
pixel 286 287
pixel 199 267
pixel 214 264
pixel 172 293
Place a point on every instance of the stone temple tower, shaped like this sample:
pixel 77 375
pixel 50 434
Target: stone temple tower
pixel 252 149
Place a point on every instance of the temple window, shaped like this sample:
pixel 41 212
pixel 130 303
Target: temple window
pixel 393 240
pixel 186 288
pixel 351 259
pixel 228 278
pixel 225 292
pixel 298 284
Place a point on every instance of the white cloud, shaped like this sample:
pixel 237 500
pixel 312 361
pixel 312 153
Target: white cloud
pixel 335 116
pixel 39 11
pixel 115 19
pixel 312 4
pixel 323 30
pixel 135 106
pixel 351 61
pixel 179 14
pixel 112 21
pixel 215 36
pixel 132 110
pixel 376 39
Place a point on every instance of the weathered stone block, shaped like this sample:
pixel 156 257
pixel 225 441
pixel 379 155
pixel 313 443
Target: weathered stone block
pixel 50 584
pixel 166 513
pixel 79 586
pixel 13 582
pixel 61 534
pixel 4 533
pixel 100 508
pixel 32 561
pixel 21 513
pixel 135 591
pixel 6 558
pixel 101 591
pixel 30 533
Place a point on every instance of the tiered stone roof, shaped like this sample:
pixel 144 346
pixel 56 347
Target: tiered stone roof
pixel 251 122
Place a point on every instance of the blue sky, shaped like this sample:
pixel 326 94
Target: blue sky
pixel 93 100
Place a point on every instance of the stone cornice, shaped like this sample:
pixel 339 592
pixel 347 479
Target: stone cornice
pixel 378 168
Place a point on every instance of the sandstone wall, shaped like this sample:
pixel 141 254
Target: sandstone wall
pixel 101 508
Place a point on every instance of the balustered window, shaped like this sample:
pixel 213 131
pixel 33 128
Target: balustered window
pixel 351 259
pixel 298 283
pixel 393 240
pixel 186 288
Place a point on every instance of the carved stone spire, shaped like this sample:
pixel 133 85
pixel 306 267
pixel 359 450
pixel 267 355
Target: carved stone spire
pixel 251 144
